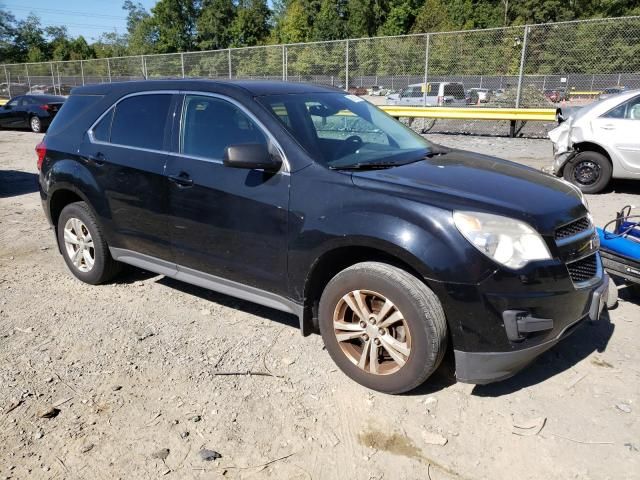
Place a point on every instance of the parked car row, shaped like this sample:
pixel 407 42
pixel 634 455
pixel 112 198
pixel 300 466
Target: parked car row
pixel 30 111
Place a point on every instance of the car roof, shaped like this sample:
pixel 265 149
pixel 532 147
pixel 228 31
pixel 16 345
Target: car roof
pixel 46 98
pixel 253 87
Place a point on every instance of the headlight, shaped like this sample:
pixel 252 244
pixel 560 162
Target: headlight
pixel 507 241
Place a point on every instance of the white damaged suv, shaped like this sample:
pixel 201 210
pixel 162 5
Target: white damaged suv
pixel 599 142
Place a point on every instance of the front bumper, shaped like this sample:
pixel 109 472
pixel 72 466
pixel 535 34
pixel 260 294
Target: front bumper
pixel 486 367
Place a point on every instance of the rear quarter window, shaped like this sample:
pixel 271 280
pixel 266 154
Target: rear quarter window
pixel 72 108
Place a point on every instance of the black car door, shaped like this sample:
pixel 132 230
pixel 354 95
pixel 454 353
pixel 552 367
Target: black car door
pixel 10 113
pixel 127 154
pixel 227 222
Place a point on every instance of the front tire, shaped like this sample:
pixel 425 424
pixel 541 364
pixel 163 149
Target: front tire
pixel 589 171
pixel 83 246
pixel 382 326
pixel 35 124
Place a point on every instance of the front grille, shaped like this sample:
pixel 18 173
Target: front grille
pixel 573 228
pixel 583 269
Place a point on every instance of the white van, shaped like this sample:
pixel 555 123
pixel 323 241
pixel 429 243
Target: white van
pixel 430 95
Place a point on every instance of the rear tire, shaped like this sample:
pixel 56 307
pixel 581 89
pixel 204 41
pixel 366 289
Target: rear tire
pixel 35 124
pixel 589 171
pixel 83 246
pixel 393 343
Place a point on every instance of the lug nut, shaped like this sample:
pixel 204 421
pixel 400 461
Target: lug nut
pixel 363 324
pixel 372 320
pixel 376 341
pixel 365 337
pixel 381 331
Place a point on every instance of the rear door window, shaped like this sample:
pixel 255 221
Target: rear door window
pixel 210 125
pixel 140 121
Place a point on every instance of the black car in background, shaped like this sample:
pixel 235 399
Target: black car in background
pixel 30 111
pixel 313 201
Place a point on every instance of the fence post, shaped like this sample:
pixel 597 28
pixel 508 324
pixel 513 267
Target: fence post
pixel 144 66
pixel 58 74
pixel 82 71
pixel 182 63
pixel 53 78
pixel 109 69
pixel 6 74
pixel 229 59
pixel 522 61
pixel 26 69
pixel 284 63
pixel 346 69
pixel 426 70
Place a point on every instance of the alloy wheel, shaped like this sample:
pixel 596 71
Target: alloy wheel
pixel 372 332
pixel 79 245
pixel 35 124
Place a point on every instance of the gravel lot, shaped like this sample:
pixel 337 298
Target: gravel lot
pixel 134 367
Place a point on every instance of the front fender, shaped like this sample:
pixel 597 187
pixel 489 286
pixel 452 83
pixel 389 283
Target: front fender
pixel 339 215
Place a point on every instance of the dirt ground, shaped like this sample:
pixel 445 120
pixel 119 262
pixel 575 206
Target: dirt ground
pixel 134 367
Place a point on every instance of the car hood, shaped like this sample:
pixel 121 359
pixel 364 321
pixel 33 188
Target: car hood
pixel 460 180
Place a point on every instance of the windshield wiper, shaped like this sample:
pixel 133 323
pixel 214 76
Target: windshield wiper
pixel 366 166
pixel 382 165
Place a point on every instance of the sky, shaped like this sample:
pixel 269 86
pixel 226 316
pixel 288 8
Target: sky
pixel 89 18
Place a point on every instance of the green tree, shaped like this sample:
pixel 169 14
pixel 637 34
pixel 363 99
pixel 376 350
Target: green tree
pixel 432 17
pixel 175 22
pixel 251 23
pixel 110 44
pixel 331 21
pixel 214 24
pixel 294 26
pixel 8 51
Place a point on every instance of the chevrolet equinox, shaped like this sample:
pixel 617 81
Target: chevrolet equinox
pixel 312 201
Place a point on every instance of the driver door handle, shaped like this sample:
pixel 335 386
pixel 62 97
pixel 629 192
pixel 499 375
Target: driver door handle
pixel 183 180
pixel 607 126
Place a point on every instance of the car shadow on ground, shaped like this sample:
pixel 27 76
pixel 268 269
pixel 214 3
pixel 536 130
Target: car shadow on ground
pixel 589 337
pixel 14 183
pixel 232 302
pixel 623 186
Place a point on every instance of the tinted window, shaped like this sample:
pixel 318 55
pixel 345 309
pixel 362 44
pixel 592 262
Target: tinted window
pixel 210 125
pixel 102 131
pixel 140 121
pixel 72 108
pixel 456 90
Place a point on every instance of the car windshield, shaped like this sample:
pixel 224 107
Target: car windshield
pixel 345 131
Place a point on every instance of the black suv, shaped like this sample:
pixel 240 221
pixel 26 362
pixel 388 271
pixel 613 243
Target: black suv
pixel 312 201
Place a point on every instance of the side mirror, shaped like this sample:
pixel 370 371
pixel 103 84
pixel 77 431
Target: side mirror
pixel 252 156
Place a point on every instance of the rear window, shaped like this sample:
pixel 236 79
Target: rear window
pixel 72 108
pixel 140 121
pixel 455 90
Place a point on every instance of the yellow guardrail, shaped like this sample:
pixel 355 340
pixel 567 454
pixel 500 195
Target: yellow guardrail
pixel 470 113
pixel 585 94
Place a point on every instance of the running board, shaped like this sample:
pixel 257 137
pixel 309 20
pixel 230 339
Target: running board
pixel 208 281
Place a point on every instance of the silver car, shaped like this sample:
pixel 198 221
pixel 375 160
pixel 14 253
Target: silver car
pixel 599 142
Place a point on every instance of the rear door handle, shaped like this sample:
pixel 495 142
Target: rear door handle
pixel 183 180
pixel 608 126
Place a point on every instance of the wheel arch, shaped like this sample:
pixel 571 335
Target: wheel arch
pixel 333 261
pixel 591 147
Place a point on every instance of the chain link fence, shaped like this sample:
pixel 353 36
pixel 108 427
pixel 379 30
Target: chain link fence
pixel 523 66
